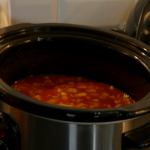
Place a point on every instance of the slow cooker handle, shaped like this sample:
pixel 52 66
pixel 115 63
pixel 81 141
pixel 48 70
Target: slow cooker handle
pixel 9 133
pixel 118 30
pixel 138 138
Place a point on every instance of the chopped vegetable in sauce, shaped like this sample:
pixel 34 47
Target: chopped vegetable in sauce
pixel 72 91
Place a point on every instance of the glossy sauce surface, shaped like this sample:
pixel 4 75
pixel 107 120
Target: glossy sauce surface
pixel 72 91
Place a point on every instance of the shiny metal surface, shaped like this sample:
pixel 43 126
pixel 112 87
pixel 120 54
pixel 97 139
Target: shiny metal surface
pixel 135 18
pixel 41 133
pixel 138 23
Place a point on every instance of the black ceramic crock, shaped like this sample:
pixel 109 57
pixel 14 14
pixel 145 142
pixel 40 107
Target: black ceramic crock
pixel 105 56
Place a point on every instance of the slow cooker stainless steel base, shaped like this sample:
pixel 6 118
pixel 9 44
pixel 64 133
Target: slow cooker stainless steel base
pixel 43 133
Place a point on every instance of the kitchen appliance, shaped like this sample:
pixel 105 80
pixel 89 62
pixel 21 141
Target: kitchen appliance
pixel 103 55
pixel 138 22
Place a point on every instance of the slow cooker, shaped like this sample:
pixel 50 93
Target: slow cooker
pixel 102 55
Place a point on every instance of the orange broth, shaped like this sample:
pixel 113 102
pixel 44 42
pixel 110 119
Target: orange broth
pixel 72 91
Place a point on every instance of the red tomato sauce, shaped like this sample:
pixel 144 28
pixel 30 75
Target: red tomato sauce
pixel 72 91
